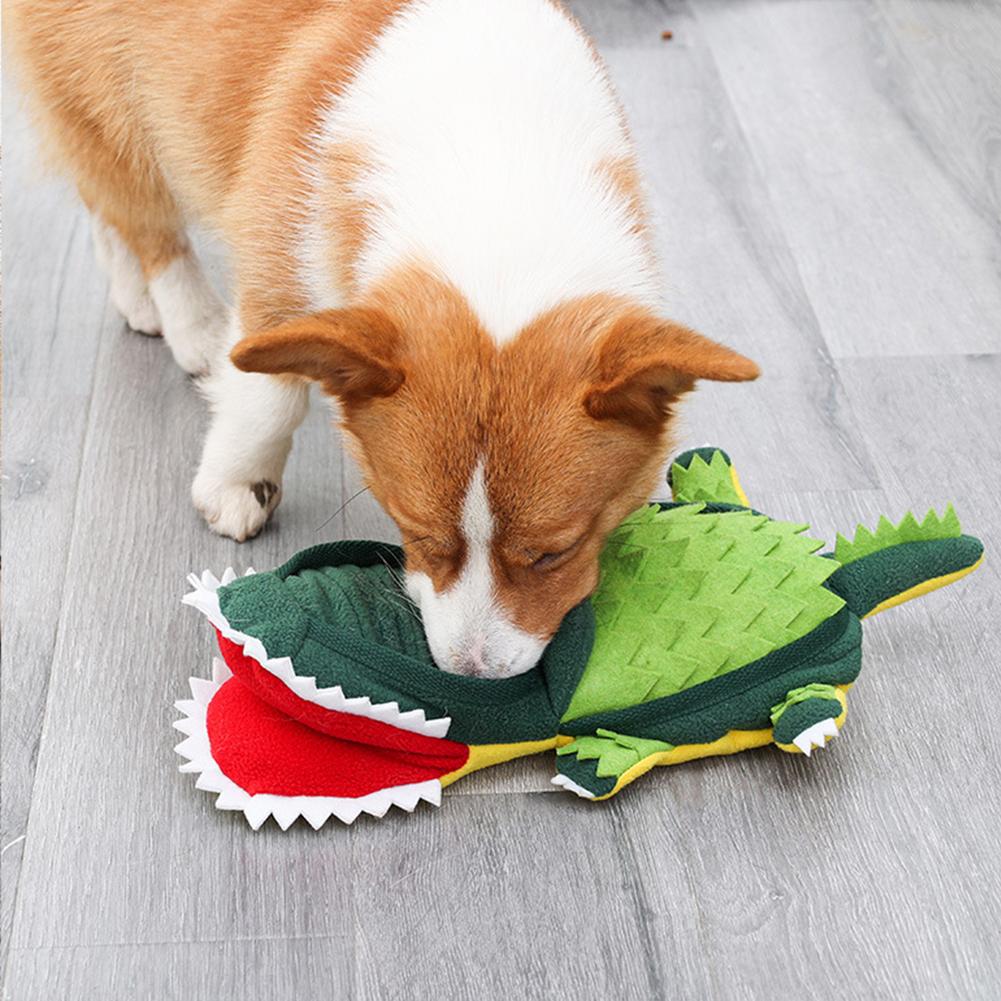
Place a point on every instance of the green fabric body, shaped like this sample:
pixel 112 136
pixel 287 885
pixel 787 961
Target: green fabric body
pixel 740 700
pixel 707 617
pixel 687 596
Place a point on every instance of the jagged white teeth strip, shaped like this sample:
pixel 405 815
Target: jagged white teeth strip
pixel 316 810
pixel 205 598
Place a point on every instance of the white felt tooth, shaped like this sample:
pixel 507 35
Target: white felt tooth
pixel 194 580
pixel 379 803
pixel 220 671
pixel 202 689
pixel 186 725
pixel 231 797
pixel 188 747
pixel 187 706
pixel 189 766
pixel 316 813
pixel 438 727
pixel 228 576
pixel 567 783
pixel 345 810
pixel 285 811
pixel 816 735
pixel 407 799
pixel 253 647
pixel 257 809
pixel 209 580
pixel 302 686
pixel 431 792
pixel 387 711
pixel 211 781
pixel 249 572
pixel 413 717
pixel 329 698
pixel 282 666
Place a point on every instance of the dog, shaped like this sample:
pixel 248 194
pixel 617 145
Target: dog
pixel 434 212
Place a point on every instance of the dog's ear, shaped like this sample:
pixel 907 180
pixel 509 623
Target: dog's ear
pixel 353 353
pixel 643 364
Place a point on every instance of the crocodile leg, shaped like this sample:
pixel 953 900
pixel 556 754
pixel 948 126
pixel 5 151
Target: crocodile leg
pixel 596 767
pixel 705 474
pixel 808 718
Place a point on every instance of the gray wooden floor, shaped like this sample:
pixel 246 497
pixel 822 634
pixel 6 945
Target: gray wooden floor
pixel 827 177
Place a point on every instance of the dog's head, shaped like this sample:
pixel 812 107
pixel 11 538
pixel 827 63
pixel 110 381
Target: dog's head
pixel 504 466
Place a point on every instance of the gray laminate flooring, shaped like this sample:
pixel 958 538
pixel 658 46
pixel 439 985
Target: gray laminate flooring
pixel 827 182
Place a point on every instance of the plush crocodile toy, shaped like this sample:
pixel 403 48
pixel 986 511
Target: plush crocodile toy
pixel 714 629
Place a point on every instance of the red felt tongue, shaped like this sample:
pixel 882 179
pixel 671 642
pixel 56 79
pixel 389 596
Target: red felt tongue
pixel 263 750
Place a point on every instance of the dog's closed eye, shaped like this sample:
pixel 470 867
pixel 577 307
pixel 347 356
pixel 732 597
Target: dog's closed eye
pixel 549 561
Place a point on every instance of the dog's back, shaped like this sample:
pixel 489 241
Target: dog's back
pixel 433 210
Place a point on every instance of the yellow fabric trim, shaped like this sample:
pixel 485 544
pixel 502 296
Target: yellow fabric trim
pixel 485 755
pixel 924 588
pixel 731 743
pixel 736 486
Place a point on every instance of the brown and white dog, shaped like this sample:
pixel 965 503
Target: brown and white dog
pixel 433 211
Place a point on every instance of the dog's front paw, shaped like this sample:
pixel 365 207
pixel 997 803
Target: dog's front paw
pixel 236 510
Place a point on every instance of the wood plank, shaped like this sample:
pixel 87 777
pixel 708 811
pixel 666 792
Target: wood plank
pixel 113 826
pixel 55 315
pixel 248 969
pixel 948 81
pixel 893 225
pixel 727 267
pixel 497 897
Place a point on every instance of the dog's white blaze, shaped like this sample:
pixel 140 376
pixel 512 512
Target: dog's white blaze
pixel 466 629
pixel 487 122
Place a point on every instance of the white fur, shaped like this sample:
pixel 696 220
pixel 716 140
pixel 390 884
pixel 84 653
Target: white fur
pixel 127 285
pixel 486 122
pixel 193 316
pixel 467 631
pixel 254 417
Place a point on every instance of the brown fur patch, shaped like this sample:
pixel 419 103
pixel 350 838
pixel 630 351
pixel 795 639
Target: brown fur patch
pixel 218 96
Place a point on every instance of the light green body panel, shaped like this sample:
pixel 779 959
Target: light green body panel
pixel 688 595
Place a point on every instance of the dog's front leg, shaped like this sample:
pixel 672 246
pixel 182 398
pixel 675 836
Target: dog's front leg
pixel 254 416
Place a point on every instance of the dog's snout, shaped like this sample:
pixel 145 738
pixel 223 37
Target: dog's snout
pixel 473 661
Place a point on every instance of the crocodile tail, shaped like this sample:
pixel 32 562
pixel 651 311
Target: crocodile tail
pixel 895 563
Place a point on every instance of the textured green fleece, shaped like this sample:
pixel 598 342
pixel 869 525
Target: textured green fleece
pixel 687 596
pixel 707 615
